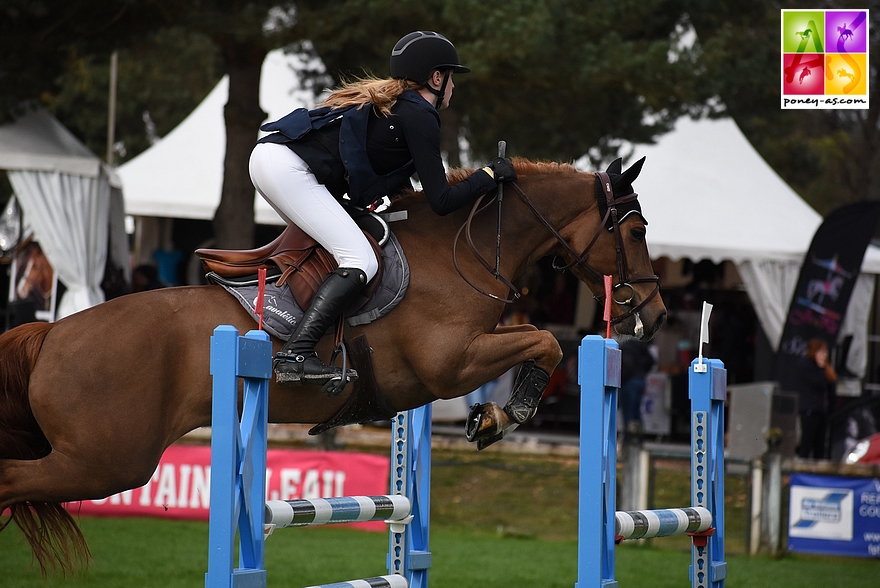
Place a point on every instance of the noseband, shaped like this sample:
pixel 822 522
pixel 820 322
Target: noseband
pixel 622 292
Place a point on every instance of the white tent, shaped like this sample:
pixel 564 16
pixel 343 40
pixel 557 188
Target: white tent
pixel 181 176
pixel 65 195
pixel 707 194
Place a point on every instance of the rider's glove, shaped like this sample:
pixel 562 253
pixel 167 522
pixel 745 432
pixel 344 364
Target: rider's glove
pixel 501 170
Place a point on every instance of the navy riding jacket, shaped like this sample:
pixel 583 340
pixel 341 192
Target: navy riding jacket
pixel 357 152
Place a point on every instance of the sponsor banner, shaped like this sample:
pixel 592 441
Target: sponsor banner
pixel 838 516
pixel 825 285
pixel 180 488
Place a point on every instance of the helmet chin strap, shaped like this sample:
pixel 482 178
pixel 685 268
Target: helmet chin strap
pixel 442 91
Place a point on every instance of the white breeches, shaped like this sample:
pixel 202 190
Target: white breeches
pixel 287 184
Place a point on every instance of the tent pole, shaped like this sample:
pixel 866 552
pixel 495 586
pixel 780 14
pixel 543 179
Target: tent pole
pixel 111 110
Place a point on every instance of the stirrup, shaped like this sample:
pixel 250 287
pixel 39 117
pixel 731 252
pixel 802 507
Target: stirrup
pixel 308 369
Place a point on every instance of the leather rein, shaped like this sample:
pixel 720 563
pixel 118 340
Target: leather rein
pixel 579 261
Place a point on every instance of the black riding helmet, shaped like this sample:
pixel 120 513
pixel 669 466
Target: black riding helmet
pixel 419 53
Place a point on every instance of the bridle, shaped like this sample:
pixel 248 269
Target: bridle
pixel 579 261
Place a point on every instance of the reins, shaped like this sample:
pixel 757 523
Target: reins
pixel 578 260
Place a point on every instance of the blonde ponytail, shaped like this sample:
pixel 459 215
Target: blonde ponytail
pixel 382 93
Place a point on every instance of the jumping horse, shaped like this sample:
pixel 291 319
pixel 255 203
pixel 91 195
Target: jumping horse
pixel 88 404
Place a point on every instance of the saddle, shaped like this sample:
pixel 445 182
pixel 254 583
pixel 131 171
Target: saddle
pixel 302 262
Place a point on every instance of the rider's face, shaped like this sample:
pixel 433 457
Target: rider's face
pixel 436 82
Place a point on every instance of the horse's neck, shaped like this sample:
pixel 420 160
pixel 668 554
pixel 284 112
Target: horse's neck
pixel 560 200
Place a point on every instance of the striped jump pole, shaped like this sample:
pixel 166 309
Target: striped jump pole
pixel 309 512
pixel 238 484
pixel 600 526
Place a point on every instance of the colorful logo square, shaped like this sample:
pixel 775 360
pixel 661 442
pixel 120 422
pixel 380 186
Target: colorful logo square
pixel 846 74
pixel 847 31
pixel 803 73
pixel 803 31
pixel 824 59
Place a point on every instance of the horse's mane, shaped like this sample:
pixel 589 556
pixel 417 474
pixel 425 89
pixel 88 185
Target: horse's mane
pixel 523 167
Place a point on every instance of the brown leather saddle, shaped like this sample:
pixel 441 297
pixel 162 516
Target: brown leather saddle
pixel 304 264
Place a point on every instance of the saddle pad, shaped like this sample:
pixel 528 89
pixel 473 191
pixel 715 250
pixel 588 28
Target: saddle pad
pixel 281 313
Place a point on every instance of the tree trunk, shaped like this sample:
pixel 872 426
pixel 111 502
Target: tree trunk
pixel 234 218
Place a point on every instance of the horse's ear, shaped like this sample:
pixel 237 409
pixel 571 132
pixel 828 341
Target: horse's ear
pixel 633 171
pixel 614 168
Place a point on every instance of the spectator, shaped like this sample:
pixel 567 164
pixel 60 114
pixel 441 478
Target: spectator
pixel 811 382
pixel 145 277
pixel 635 363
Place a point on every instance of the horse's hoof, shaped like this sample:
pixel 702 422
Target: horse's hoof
pixel 484 443
pixel 485 421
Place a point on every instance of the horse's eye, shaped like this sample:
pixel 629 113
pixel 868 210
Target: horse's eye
pixel 637 234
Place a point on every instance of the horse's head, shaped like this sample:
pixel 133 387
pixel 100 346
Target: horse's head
pixel 611 242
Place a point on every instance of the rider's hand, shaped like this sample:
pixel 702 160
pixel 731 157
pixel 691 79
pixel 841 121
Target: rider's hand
pixel 502 170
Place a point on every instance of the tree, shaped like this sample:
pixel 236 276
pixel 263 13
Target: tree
pixel 829 157
pixel 556 79
pixel 61 42
pixel 41 41
pixel 161 78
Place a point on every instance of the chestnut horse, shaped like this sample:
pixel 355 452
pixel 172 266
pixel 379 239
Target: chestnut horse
pixel 88 404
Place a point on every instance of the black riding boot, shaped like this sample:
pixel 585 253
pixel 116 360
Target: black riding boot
pixel 297 363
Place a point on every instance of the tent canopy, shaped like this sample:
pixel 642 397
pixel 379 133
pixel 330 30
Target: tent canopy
pixel 66 195
pixel 181 176
pixel 707 194
pixel 38 142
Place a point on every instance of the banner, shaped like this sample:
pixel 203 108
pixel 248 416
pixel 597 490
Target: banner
pixel 180 488
pixel 838 516
pixel 825 283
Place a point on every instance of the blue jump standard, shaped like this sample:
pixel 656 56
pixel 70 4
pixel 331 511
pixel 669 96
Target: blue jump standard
pixel 600 527
pixel 238 483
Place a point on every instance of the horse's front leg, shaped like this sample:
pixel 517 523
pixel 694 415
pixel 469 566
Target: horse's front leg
pixel 538 354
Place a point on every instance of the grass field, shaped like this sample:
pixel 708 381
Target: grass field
pixel 498 520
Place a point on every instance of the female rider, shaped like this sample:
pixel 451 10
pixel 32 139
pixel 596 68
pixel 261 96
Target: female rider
pixel 366 140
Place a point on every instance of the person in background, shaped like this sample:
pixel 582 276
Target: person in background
pixel 366 141
pixel 145 277
pixel 811 382
pixel 635 363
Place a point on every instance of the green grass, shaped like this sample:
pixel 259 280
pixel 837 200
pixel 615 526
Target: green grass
pixel 498 520
pixel 150 553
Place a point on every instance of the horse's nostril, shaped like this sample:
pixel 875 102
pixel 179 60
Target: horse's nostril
pixel 661 320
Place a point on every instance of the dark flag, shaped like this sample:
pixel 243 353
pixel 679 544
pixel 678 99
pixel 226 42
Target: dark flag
pixel 825 284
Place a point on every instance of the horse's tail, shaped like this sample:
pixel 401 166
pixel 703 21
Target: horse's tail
pixel 51 532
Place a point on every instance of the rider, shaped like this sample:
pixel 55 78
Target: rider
pixel 366 140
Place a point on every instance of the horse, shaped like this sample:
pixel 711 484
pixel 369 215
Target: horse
pixel 89 403
pixel 804 73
